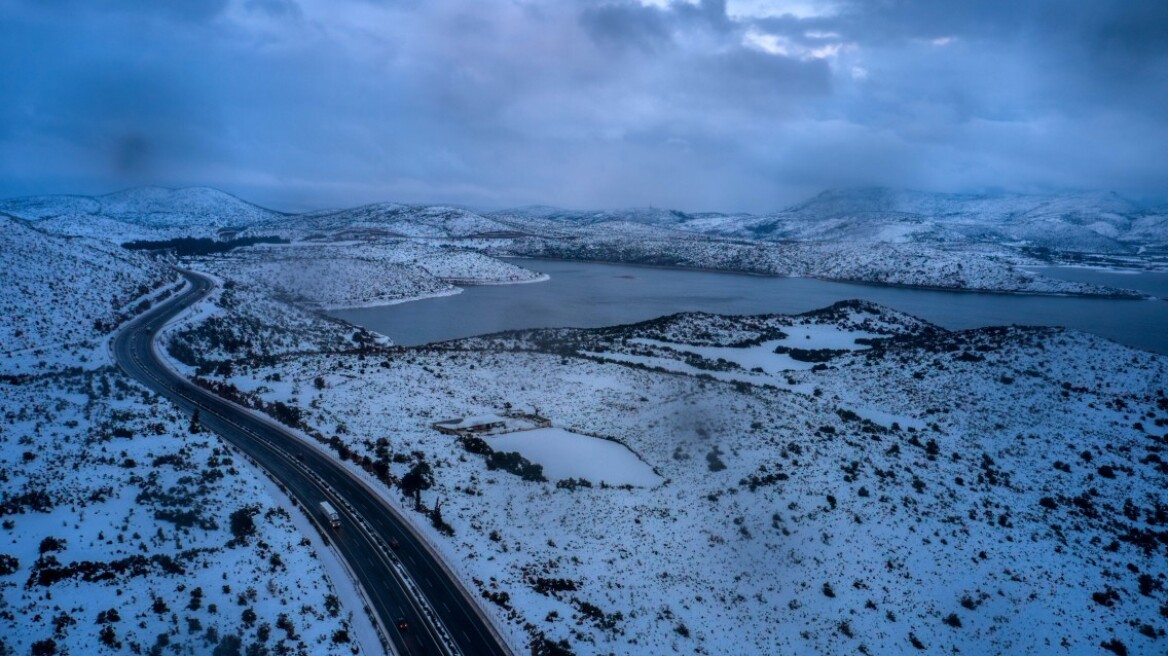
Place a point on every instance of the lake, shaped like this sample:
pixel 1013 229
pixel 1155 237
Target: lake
pixel 590 295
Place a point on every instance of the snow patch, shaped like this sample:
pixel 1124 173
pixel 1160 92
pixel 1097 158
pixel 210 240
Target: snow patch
pixel 565 454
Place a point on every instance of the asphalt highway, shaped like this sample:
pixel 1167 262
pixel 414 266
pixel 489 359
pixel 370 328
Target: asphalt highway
pixel 440 616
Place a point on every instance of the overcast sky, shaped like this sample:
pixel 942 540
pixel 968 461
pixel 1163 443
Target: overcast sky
pixel 737 105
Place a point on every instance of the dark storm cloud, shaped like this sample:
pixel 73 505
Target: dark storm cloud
pixel 732 105
pixel 631 24
pixel 627 25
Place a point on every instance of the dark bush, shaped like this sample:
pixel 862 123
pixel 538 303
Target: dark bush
pixel 242 524
pixel 8 564
pixel 1115 646
pixel 516 464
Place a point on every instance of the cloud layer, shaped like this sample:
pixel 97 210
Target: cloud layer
pixel 738 105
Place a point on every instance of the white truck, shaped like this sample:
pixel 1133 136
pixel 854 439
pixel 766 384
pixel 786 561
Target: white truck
pixel 334 518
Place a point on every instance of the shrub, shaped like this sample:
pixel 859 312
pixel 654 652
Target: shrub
pixel 242 524
pixel 1115 646
pixel 515 463
pixel 713 461
pixel 1106 598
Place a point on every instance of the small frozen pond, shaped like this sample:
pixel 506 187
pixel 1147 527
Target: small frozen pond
pixel 565 454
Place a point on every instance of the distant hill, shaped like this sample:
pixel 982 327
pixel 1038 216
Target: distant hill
pixel 141 213
pixel 1084 222
pixel 384 220
pixel 1094 222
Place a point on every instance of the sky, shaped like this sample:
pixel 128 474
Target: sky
pixel 735 105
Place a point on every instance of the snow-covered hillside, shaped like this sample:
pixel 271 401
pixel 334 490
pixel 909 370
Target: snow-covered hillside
pixel 846 480
pixel 1086 222
pixel 60 295
pixel 1095 222
pixel 126 532
pixel 972 267
pixel 140 213
pixel 947 241
pixel 646 215
pixel 384 220
pixel 359 274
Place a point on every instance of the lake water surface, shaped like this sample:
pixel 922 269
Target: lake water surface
pixel 589 295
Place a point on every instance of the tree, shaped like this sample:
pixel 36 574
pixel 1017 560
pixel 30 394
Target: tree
pixel 196 424
pixel 420 477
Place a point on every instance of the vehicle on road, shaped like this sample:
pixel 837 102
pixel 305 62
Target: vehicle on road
pixel 334 518
pixel 402 625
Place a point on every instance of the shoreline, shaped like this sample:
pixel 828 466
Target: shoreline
pixel 320 307
pixel 453 291
pixel 1135 296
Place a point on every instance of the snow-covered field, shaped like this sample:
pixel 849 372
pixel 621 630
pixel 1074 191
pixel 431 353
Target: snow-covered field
pixel 124 531
pixel 773 356
pixel 358 275
pixel 567 455
pixel 990 491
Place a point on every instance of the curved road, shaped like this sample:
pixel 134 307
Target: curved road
pixel 442 619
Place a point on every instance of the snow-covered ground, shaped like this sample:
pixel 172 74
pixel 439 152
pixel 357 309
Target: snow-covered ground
pixel 61 296
pixel 989 491
pixel 122 530
pixel 358 275
pixel 567 455
pixel 963 267
pixel 773 356
pixel 147 213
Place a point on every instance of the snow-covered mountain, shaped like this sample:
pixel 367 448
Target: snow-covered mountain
pixel 1084 222
pixel 141 213
pixel 947 241
pixel 384 220
pixel 1090 222
pixel 648 215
